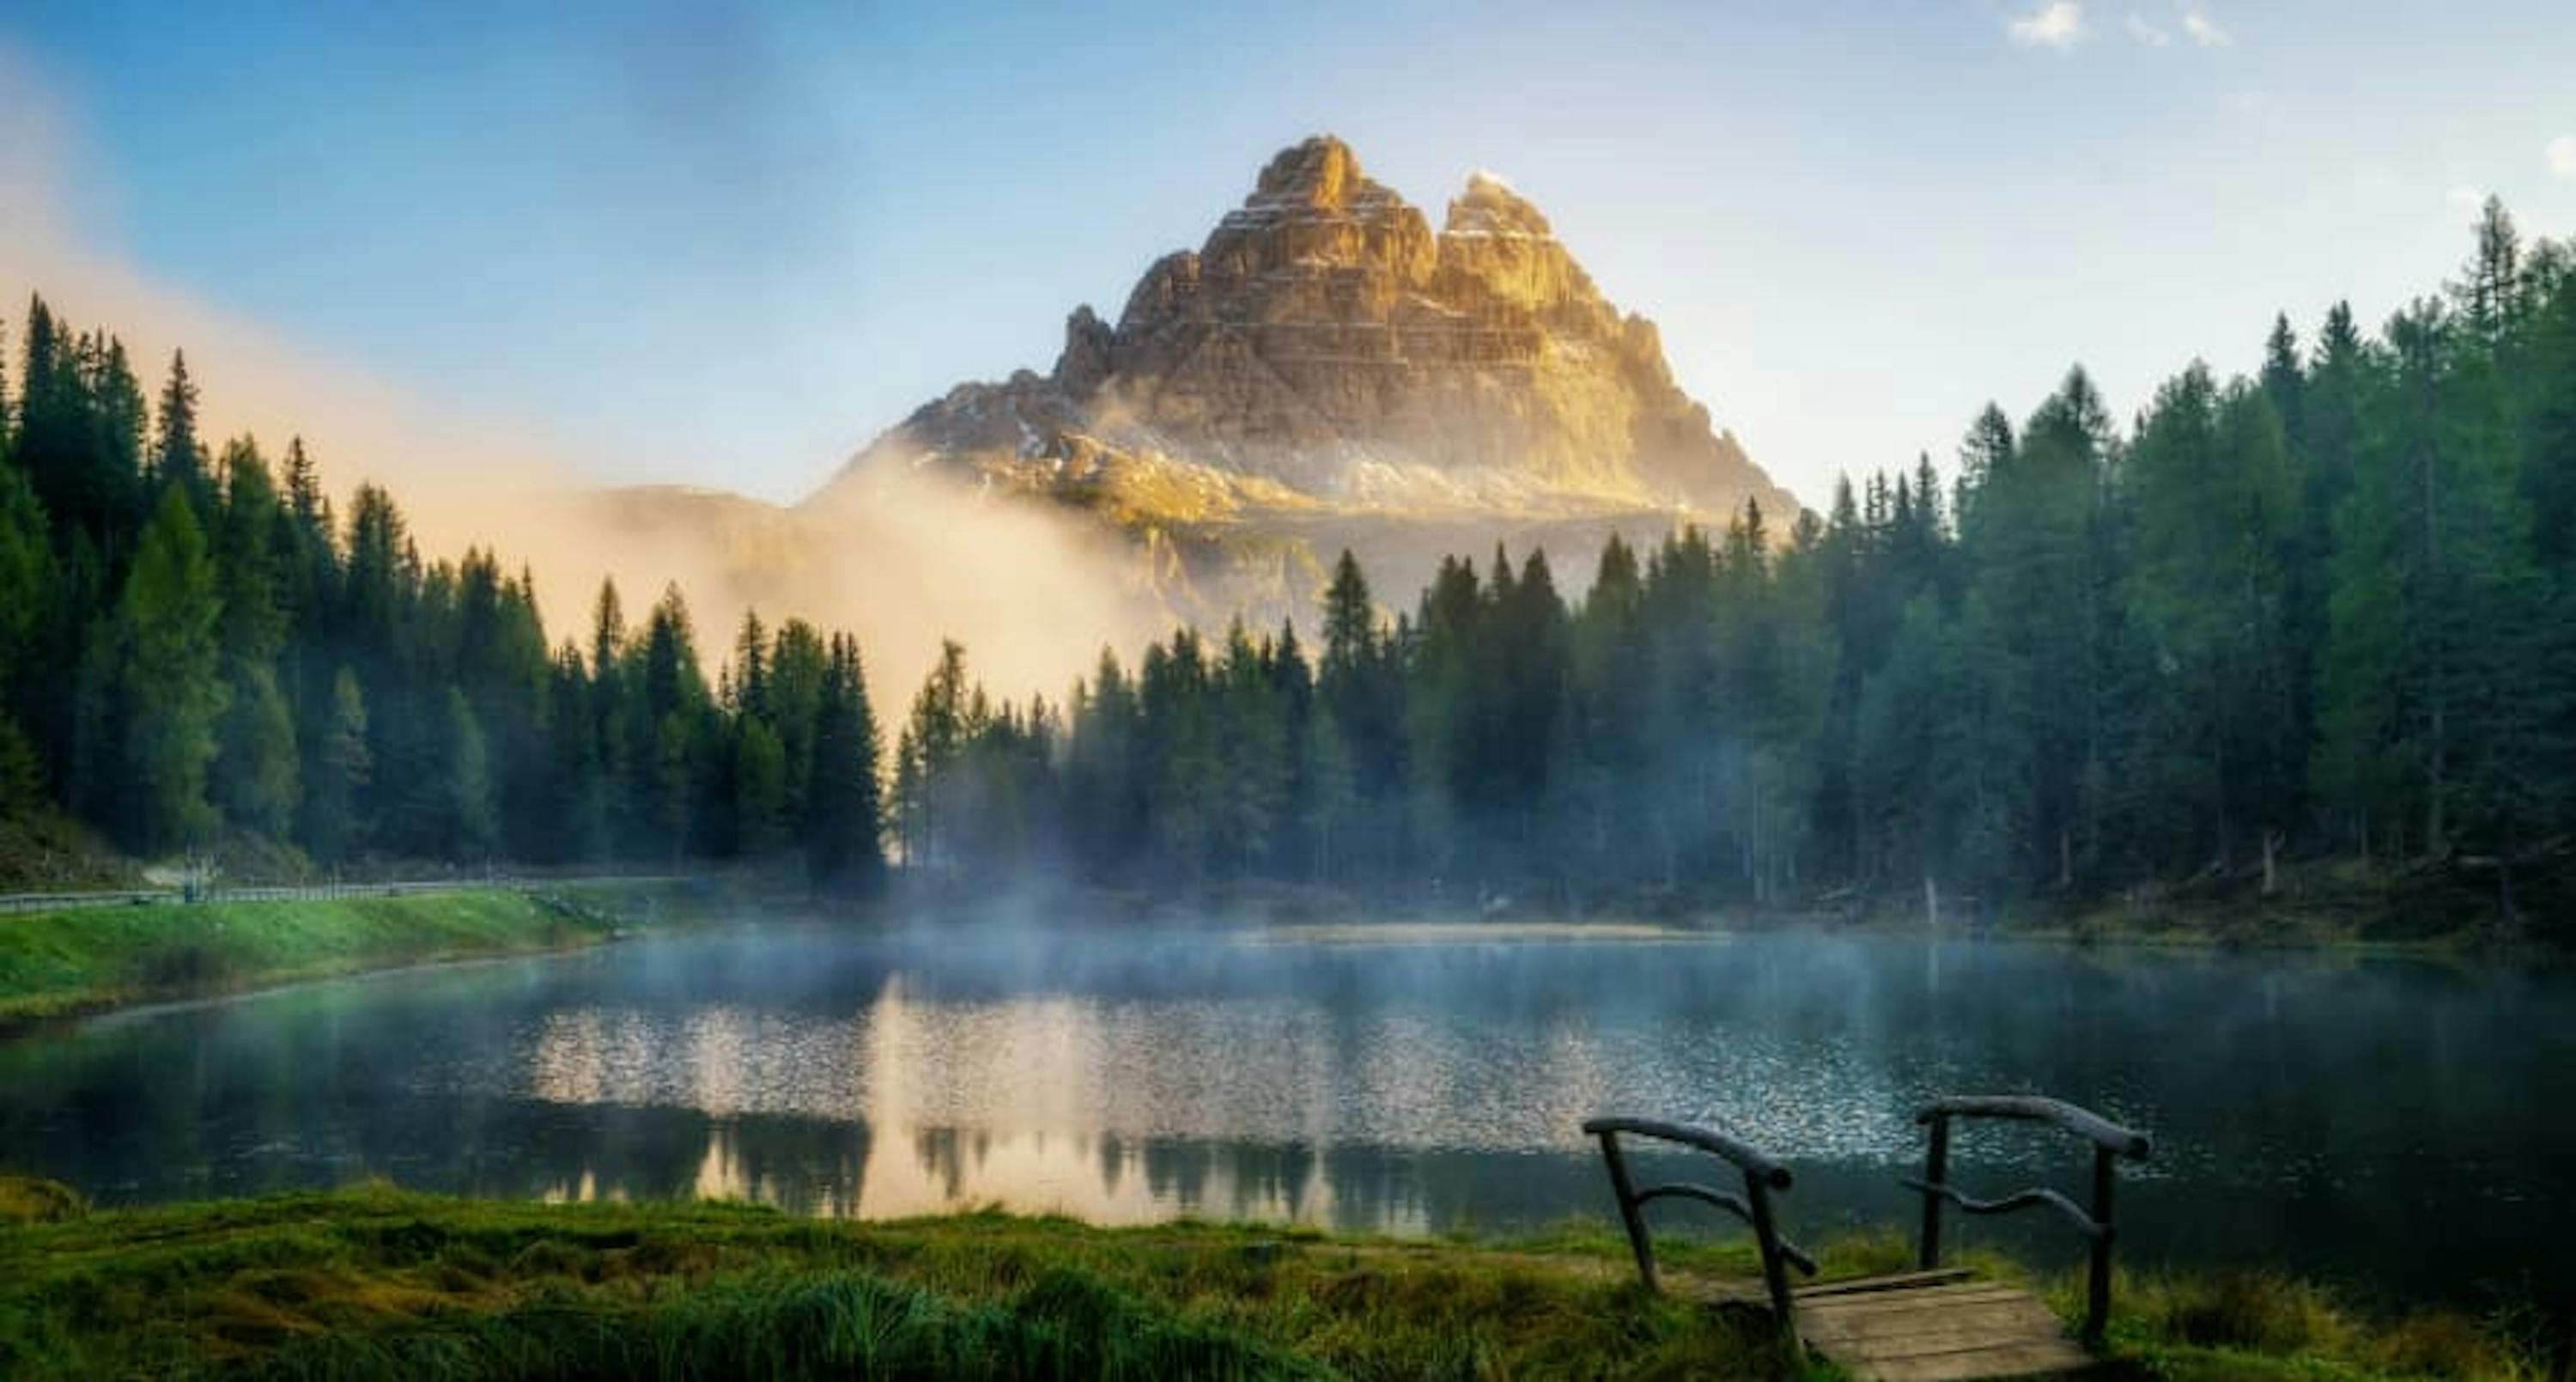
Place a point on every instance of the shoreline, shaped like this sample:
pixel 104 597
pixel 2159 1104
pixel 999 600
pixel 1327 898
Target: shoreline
pixel 129 975
pixel 61 968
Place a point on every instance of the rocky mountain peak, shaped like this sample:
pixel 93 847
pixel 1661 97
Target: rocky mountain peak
pixel 1489 206
pixel 1318 172
pixel 1324 349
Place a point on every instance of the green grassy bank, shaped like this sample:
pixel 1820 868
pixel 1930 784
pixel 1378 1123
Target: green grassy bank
pixel 62 964
pixel 376 1282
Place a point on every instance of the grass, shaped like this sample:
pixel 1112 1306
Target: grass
pixel 62 964
pixel 378 1282
pixel 2259 1325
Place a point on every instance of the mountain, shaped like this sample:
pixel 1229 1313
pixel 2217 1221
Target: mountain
pixel 1325 370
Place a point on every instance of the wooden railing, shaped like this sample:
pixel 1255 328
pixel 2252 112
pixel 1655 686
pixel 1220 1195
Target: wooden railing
pixel 1762 1176
pixel 2111 1144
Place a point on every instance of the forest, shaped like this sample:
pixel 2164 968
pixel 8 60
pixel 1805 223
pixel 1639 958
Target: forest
pixel 2319 613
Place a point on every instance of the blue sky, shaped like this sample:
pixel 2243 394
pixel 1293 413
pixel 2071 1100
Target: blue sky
pixel 723 247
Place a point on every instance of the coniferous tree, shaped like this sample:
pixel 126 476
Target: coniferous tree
pixel 845 843
pixel 169 690
pixel 257 776
pixel 759 788
pixel 178 457
pixel 343 770
pixel 932 740
pixel 25 560
pixel 578 827
pixel 472 827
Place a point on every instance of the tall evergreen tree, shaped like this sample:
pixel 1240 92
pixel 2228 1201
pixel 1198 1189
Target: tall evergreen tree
pixel 845 843
pixel 178 457
pixel 169 690
pixel 343 770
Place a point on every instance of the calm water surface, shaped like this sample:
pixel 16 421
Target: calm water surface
pixel 2403 1126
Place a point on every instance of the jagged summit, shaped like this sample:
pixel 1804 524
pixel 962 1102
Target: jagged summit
pixel 1325 349
pixel 1318 172
pixel 1489 206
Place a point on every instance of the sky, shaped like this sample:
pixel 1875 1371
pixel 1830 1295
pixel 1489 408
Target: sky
pixel 725 245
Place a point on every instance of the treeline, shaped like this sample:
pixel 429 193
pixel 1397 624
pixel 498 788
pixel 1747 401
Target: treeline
pixel 195 649
pixel 2319 612
pixel 2322 611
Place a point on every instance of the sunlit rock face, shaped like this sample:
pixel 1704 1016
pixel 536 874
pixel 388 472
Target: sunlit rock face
pixel 1325 357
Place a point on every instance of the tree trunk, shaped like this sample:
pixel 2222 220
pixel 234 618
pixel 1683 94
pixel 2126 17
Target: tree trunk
pixel 1931 902
pixel 2271 861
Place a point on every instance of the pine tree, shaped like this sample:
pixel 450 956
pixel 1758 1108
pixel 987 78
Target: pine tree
pixel 759 787
pixel 845 842
pixel 26 562
pixel 932 741
pixel 25 589
pixel 343 769
pixel 2490 292
pixel 751 666
pixel 169 688
pixel 257 777
pixel 2209 478
pixel 178 458
pixel 799 667
pixel 472 827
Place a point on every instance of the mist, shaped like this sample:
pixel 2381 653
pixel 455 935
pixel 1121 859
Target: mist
pixel 908 560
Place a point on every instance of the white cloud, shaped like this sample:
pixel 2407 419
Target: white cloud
pixel 2147 33
pixel 2467 200
pixel 2056 24
pixel 2204 30
pixel 2561 154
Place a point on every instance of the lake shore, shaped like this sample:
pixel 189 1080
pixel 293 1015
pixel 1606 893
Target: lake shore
pixel 376 1281
pixel 57 966
pixel 2326 907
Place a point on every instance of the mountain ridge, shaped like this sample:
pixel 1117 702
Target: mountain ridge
pixel 1325 351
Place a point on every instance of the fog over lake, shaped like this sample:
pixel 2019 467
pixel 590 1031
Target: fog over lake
pixel 2400 1126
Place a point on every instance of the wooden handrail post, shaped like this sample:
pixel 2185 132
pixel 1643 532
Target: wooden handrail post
pixel 2097 1286
pixel 1936 1171
pixel 1775 1272
pixel 1626 1192
pixel 1762 1176
pixel 2111 1144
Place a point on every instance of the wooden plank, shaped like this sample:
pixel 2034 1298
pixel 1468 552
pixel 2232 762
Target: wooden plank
pixel 1902 1281
pixel 1893 1350
pixel 2020 1360
pixel 2027 1315
pixel 1865 1300
pixel 1882 1320
pixel 1939 1336
pixel 1947 1329
pixel 1856 1306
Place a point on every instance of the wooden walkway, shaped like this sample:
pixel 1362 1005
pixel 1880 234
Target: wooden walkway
pixel 1936 1326
pixel 1930 1325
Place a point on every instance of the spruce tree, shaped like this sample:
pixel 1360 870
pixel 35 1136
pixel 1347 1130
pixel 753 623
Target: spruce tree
pixel 334 831
pixel 178 458
pixel 845 842
pixel 169 685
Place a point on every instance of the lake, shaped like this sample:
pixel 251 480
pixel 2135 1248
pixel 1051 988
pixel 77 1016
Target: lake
pixel 2405 1127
